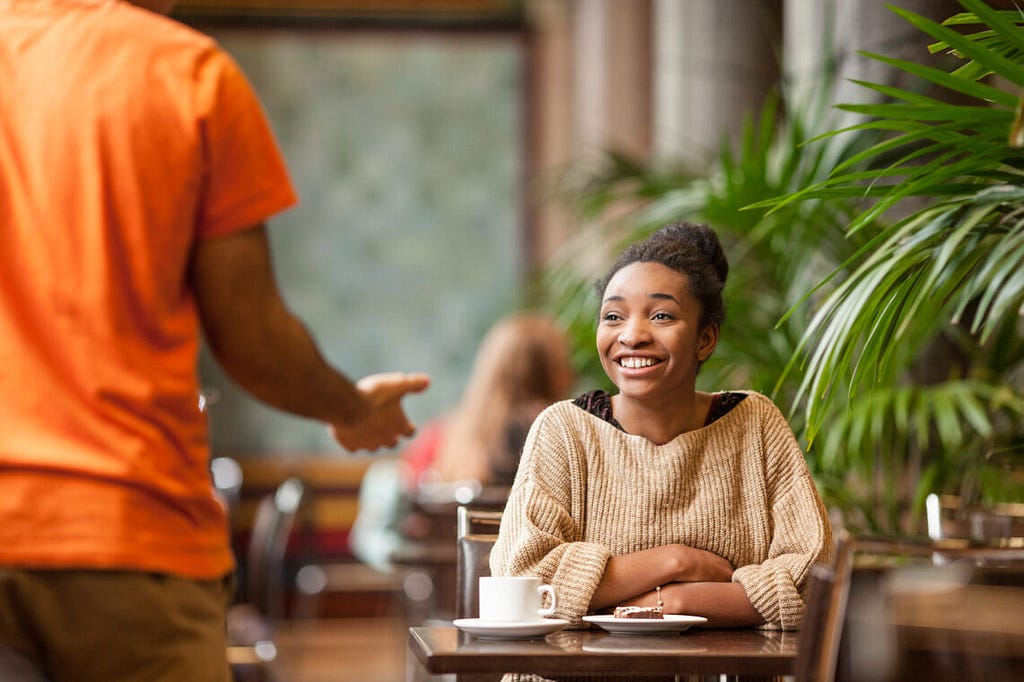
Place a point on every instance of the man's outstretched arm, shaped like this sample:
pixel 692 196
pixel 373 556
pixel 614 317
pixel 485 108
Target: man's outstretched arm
pixel 271 354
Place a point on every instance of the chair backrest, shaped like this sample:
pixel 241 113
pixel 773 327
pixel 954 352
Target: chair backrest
pixel 476 533
pixel 848 633
pixel 820 587
pixel 821 634
pixel 272 527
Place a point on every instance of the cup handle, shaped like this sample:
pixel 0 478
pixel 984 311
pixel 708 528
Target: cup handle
pixel 550 608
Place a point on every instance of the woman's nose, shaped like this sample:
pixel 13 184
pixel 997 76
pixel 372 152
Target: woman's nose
pixel 633 334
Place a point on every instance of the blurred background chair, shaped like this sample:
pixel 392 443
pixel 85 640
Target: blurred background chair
pixel 887 611
pixel 476 533
pixel 952 522
pixel 253 618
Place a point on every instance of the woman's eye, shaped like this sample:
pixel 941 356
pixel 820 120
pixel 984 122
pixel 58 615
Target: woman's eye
pixel 610 317
pixel 663 316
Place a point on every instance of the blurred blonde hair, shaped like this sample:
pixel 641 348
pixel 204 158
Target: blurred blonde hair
pixel 521 367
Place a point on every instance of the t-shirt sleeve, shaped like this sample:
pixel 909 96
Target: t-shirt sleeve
pixel 245 178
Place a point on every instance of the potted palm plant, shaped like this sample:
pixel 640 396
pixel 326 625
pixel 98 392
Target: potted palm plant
pixel 879 279
pixel 922 325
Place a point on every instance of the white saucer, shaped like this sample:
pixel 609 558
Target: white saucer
pixel 493 629
pixel 645 626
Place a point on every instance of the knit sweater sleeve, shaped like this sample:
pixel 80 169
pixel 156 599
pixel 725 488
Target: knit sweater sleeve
pixel 800 531
pixel 540 531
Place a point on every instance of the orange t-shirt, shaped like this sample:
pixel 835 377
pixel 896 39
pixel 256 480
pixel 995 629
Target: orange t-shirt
pixel 125 137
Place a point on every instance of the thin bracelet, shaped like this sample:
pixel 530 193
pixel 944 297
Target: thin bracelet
pixel 657 588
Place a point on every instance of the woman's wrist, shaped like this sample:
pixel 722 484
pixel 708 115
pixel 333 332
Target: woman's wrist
pixel 669 597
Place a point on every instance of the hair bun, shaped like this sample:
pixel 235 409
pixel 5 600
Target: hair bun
pixel 701 237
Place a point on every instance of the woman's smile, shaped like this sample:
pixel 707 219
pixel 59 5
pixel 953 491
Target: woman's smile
pixel 637 362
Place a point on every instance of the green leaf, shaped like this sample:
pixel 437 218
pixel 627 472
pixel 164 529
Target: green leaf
pixel 964 46
pixel 971 88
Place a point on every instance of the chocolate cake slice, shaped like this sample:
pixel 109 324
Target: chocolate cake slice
pixel 638 612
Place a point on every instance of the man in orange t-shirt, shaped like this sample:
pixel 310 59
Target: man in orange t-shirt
pixel 136 171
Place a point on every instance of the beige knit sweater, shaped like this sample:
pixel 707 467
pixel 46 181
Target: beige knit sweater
pixel 739 487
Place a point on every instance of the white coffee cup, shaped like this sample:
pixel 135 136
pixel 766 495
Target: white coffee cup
pixel 515 599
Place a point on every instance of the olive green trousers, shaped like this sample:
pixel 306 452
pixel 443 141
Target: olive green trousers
pixel 112 626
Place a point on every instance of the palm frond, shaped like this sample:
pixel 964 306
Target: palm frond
pixel 931 266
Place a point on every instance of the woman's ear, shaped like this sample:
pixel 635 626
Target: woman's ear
pixel 707 342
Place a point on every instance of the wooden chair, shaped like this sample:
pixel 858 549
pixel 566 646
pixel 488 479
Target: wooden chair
pixel 252 620
pixel 476 533
pixel 850 632
pixel 434 555
pixel 821 634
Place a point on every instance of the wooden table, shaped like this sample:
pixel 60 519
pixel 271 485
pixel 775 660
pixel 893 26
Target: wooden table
pixel 584 652
pixel 974 632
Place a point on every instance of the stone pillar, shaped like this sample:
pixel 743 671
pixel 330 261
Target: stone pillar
pixel 550 124
pixel 590 93
pixel 715 62
pixel 817 31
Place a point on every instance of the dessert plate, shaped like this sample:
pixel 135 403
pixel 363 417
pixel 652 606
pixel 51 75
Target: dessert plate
pixel 645 626
pixel 492 629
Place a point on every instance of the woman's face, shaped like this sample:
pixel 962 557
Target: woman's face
pixel 649 337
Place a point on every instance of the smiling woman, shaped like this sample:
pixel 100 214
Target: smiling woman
pixel 660 494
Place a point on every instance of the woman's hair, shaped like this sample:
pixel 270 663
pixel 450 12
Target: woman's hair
pixel 521 367
pixel 690 249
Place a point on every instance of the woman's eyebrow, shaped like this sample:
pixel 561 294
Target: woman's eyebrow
pixel 657 296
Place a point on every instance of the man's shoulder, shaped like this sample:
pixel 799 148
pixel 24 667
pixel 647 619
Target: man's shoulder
pixel 134 28
pixel 166 30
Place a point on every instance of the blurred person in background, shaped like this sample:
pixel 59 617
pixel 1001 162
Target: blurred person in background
pixel 521 366
pixel 137 169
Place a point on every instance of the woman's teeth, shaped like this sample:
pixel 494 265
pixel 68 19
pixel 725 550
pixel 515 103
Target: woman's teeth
pixel 637 363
